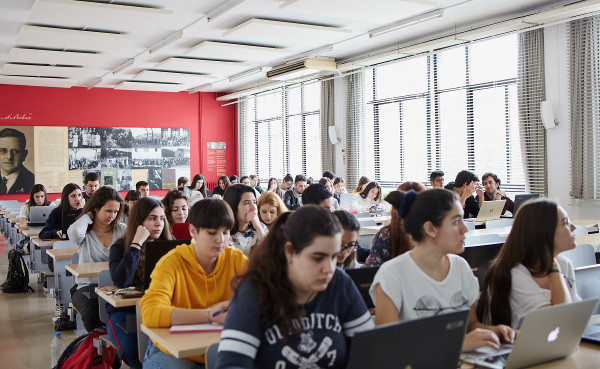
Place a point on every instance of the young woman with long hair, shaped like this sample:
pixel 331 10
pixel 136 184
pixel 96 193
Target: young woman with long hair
pixel 431 278
pixel 529 273
pixel 292 299
pixel 362 183
pixel 37 197
pixel 369 197
pixel 130 199
pixel 274 186
pixel 197 190
pixel 221 186
pixel 176 207
pixel 147 223
pixel 247 230
pixel 270 206
pixel 346 259
pixel 70 199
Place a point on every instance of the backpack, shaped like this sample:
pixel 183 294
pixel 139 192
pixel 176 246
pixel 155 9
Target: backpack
pixel 82 353
pixel 17 279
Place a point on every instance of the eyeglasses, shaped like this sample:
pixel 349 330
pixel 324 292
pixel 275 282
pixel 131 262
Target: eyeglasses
pixel 352 246
pixel 440 180
pixel 13 152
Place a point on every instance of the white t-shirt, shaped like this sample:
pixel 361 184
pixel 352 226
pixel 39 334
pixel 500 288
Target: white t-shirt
pixel 24 210
pixel 417 295
pixel 526 295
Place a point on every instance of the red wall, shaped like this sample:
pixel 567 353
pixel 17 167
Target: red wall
pixel 103 107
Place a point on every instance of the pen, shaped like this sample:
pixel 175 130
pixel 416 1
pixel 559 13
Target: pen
pixel 216 313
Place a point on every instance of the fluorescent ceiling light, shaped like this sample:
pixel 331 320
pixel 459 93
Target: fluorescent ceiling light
pixel 406 22
pixel 245 74
pixel 165 41
pixel 94 83
pixel 200 88
pixel 223 9
pixel 121 67
pixel 310 53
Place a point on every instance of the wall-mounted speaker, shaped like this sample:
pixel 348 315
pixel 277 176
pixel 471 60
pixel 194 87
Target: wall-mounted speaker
pixel 333 137
pixel 547 115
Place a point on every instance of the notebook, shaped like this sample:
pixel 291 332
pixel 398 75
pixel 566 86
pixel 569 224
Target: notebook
pixel 433 342
pixel 548 333
pixel 154 251
pixel 38 215
pixel 189 328
pixel 521 199
pixel 363 278
pixel 68 218
pixel 489 210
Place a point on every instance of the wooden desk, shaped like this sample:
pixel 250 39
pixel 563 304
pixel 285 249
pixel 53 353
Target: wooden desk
pixel 501 231
pixel 61 254
pixel 591 238
pixel 590 224
pixel 42 243
pixel 182 344
pixel 87 270
pixel 14 220
pixel 116 301
pixel 31 233
pixel 22 228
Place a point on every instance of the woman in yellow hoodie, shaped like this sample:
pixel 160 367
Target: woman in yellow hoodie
pixel 192 282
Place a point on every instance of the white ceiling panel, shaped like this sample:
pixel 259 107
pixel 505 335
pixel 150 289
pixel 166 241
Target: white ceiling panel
pixel 22 55
pixel 218 68
pixel 147 86
pixel 35 81
pixel 43 70
pixel 58 38
pixel 105 16
pixel 226 51
pixel 285 34
pixel 160 76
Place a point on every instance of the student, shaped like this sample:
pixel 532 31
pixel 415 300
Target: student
pixel 329 186
pixel 197 190
pixel 176 207
pixel 362 183
pixel 346 258
pixel 126 263
pixel 234 179
pixel 143 187
pixel 130 199
pixel 292 308
pixel 245 180
pixel 491 185
pixel 329 175
pixel 91 184
pixel 193 282
pixel 182 182
pixel 369 197
pixel 529 273
pixel 37 197
pixel 339 186
pixel 319 195
pixel 97 228
pixel 255 183
pixel 15 177
pixel 465 184
pixel 409 185
pixel 71 199
pixel 391 240
pixel 436 179
pixel 270 206
pixel 274 187
pixel 247 230
pixel 221 186
pixel 287 183
pixel 431 279
pixel 292 198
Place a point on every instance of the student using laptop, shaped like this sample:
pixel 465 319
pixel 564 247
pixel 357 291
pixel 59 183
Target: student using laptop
pixel 491 185
pixel 292 308
pixel 432 279
pixel 465 184
pixel 147 222
pixel 197 190
pixel 71 199
pixel 529 273
pixel 192 283
pixel 37 197
pixel 346 259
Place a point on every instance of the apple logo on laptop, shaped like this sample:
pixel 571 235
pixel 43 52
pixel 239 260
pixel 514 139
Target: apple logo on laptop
pixel 553 335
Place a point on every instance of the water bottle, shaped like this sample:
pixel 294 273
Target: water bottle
pixel 56 348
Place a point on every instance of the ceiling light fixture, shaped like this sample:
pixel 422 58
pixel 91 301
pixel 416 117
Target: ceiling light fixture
pixel 165 41
pixel 223 9
pixel 310 53
pixel 121 67
pixel 200 88
pixel 94 83
pixel 406 22
pixel 245 74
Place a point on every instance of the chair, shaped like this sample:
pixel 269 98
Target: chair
pixel 581 255
pixel 211 356
pixel 104 279
pixel 587 282
pixel 580 230
pixel 142 337
pixel 499 223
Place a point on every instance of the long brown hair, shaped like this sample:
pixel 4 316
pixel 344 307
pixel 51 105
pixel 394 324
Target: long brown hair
pixel 64 197
pixel 349 223
pixel 268 266
pixel 35 189
pixel 400 241
pixel 100 198
pixel 362 181
pixel 530 243
pixel 169 200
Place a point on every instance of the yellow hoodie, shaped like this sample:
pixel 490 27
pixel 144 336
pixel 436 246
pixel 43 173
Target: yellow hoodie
pixel 178 280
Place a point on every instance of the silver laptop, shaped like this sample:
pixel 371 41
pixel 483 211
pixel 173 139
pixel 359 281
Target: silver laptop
pixel 345 200
pixel 547 334
pixel 489 210
pixel 39 214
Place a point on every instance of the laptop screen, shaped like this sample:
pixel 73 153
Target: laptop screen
pixel 68 218
pixel 154 251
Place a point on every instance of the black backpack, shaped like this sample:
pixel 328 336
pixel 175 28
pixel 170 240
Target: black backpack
pixel 17 279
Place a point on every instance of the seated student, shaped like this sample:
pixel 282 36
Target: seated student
pixel 91 184
pixel 197 190
pixel 329 186
pixel 181 183
pixel 176 207
pixel 293 197
pixel 431 279
pixel 329 174
pixel 274 187
pixel 287 183
pixel 436 179
pixel 255 183
pixel 270 206
pixel 234 179
pixel 37 197
pixel 193 281
pixel 126 262
pixel 362 183
pixel 97 228
pixel 143 187
pixel 465 184
pixel 221 186
pixel 130 199
pixel 491 184
pixel 247 230
pixel 529 273
pixel 317 194
pixel 71 199
pixel 339 186
pixel 369 197
pixel 409 185
pixel 346 258
pixel 391 240
pixel 292 308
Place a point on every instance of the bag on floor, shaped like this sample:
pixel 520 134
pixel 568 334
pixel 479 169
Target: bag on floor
pixel 17 279
pixel 89 352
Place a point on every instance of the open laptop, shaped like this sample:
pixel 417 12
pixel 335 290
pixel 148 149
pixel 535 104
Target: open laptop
pixel 363 278
pixel 38 215
pixel 548 333
pixel 588 282
pixel 520 200
pixel 68 218
pixel 433 342
pixel 345 200
pixel 154 251
pixel 489 210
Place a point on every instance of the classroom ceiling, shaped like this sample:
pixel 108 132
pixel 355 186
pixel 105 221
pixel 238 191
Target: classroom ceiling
pixel 229 45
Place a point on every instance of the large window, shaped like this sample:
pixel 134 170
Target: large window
pixel 280 133
pixel 453 110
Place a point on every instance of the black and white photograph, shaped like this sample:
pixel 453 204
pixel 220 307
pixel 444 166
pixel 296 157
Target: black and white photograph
pixel 84 159
pixel 16 160
pixel 175 137
pixel 116 158
pixel 117 138
pixel 155 178
pixel 175 157
pixel 85 137
pixel 146 137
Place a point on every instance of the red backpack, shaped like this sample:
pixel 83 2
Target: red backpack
pixel 89 352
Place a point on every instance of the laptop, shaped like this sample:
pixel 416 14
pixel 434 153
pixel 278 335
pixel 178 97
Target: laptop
pixel 547 334
pixel 588 280
pixel 489 210
pixel 433 342
pixel 345 200
pixel 363 278
pixel 38 215
pixel 68 218
pixel 521 199
pixel 480 258
pixel 154 251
